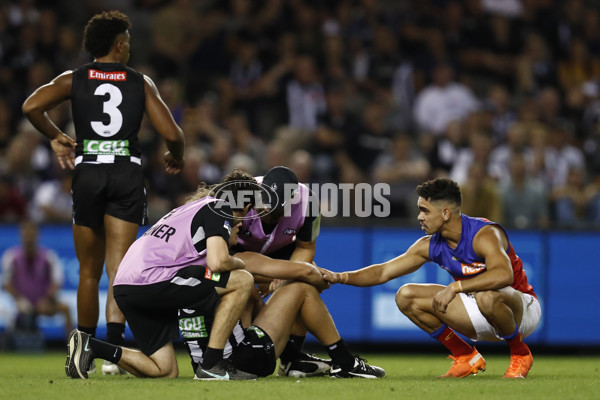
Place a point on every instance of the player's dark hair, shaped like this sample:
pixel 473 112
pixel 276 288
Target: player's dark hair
pixel 102 30
pixel 237 180
pixel 440 189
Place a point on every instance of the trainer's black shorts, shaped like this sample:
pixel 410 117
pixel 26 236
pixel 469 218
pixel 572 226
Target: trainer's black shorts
pixel 256 353
pixel 284 253
pixel 151 310
pixel 114 189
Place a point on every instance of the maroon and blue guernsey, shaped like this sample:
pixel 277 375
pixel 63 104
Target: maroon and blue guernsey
pixel 252 236
pixel 167 247
pixel 463 263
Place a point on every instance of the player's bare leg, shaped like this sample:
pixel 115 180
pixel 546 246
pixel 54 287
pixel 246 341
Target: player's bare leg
pixel 234 298
pixel 303 300
pixel 504 311
pixel 82 348
pixel 120 235
pixel 161 364
pixel 90 250
pixel 416 302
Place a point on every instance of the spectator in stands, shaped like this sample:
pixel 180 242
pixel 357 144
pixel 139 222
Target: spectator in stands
pixel 481 194
pixel 402 166
pixel 560 157
pixel 524 197
pixel 443 101
pixel 497 104
pixel 517 142
pixel 570 200
pixel 478 151
pixel 364 145
pixel 305 97
pixel 580 67
pixel 33 276
pixel 52 202
pixel 13 206
pixel 535 67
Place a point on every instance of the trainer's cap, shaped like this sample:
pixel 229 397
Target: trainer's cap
pixel 281 184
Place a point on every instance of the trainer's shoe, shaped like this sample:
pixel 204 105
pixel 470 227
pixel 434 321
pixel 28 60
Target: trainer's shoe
pixel 109 368
pixel 79 358
pixel 519 366
pixel 222 371
pixel 306 366
pixel 360 370
pixel 465 365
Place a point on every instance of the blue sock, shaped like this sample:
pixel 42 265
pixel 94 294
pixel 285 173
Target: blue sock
pixel 436 334
pixel 512 335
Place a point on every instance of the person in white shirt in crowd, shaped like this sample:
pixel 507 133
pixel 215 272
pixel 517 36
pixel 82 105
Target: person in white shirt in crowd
pixel 442 101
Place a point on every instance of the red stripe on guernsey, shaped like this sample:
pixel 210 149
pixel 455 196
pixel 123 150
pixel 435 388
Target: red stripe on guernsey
pixel 107 76
pixel 519 278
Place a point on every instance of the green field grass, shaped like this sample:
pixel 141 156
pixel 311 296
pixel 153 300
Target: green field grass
pixel 42 377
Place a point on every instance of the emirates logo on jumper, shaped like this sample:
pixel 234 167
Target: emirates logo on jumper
pixel 107 76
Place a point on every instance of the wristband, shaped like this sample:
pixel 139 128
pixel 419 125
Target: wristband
pixel 343 277
pixel 460 289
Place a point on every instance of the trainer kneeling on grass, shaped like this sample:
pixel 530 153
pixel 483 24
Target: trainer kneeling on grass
pixel 182 261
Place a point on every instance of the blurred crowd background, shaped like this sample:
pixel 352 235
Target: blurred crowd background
pixel 502 96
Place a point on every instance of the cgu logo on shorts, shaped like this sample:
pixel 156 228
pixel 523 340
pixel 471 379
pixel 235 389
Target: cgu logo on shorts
pixel 213 276
pixel 471 269
pixel 193 327
pixel 106 147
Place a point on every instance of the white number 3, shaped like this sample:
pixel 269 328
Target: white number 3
pixel 109 107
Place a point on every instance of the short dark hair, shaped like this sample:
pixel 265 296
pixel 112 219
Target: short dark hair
pixel 440 189
pixel 102 30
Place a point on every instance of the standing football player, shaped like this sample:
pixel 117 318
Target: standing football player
pixel 108 101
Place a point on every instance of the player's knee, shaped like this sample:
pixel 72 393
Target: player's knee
pixel 405 296
pixel 240 279
pixel 173 373
pixel 487 301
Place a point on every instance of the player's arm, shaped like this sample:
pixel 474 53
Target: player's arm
pixel 304 251
pixel 306 238
pixel 163 121
pixel 35 109
pixel 211 231
pixel 217 256
pixel 490 244
pixel 377 274
pixel 266 267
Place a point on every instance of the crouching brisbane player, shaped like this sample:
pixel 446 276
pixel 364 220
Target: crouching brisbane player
pixel 490 299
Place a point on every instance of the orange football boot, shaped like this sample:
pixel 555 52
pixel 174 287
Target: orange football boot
pixel 465 365
pixel 519 366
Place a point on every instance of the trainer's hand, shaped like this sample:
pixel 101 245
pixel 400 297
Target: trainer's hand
pixel 64 148
pixel 173 165
pixel 443 298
